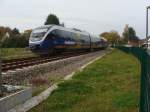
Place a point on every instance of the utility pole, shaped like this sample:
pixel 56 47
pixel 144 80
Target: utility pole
pixel 1 92
pixel 147 8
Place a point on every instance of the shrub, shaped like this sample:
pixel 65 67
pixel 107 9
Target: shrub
pixel 37 81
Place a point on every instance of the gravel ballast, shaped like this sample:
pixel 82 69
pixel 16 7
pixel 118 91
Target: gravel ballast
pixel 60 67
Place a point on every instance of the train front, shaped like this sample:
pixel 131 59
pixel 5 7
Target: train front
pixel 37 38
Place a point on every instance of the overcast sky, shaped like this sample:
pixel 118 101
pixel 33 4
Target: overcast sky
pixel 94 16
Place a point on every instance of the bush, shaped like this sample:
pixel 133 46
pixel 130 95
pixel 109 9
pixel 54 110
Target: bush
pixel 16 41
pixel 37 81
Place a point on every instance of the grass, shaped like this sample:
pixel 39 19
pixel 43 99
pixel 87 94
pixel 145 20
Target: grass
pixel 9 53
pixel 37 90
pixel 110 84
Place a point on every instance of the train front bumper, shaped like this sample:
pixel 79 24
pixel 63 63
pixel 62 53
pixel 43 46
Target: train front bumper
pixel 34 46
pixel 38 48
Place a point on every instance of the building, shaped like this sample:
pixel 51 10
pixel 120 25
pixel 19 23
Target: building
pixel 134 41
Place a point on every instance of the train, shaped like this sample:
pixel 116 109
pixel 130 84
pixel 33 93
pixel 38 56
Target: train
pixel 48 39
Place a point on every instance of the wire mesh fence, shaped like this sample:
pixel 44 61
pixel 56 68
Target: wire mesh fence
pixel 144 58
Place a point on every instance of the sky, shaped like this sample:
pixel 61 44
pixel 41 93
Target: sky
pixel 94 16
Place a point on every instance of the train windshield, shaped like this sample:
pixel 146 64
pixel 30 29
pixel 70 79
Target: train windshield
pixel 38 34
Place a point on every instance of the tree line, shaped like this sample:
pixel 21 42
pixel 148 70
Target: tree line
pixel 12 38
pixel 128 36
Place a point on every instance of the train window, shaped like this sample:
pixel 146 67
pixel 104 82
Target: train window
pixel 82 38
pixel 53 33
pixel 60 33
pixel 64 34
pixel 85 38
pixel 69 35
pixel 73 35
pixel 56 33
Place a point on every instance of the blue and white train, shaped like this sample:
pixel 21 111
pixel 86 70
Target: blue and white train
pixel 50 38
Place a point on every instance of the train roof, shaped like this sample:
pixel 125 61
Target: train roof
pixel 63 28
pixel 75 30
pixel 45 26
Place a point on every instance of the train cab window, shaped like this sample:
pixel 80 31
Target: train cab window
pixel 52 34
pixel 56 33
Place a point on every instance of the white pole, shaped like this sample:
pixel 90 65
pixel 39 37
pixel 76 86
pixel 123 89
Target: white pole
pixel 1 68
pixel 147 27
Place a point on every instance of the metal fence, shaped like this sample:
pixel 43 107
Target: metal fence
pixel 144 58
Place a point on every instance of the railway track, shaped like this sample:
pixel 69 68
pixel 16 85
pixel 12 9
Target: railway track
pixel 26 62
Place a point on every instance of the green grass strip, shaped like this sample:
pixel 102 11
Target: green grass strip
pixel 110 84
pixel 13 53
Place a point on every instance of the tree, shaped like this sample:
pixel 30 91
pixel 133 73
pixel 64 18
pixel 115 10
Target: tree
pixel 16 41
pixel 27 34
pixel 125 34
pixel 132 33
pixel 3 32
pixel 13 38
pixel 52 19
pixel 129 34
pixel 15 31
pixel 113 37
pixel 104 34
